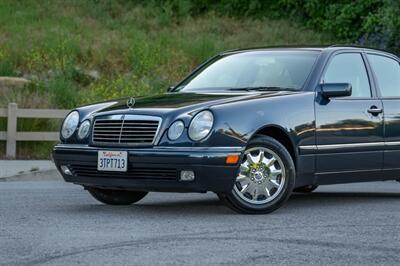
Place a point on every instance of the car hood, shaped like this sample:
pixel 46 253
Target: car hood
pixel 174 102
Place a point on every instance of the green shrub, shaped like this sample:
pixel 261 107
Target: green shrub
pixel 367 22
pixel 7 64
pixel 137 48
pixel 63 92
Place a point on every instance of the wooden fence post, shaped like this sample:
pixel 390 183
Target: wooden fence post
pixel 12 131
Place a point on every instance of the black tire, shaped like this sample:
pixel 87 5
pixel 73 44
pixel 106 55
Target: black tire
pixel 116 197
pixel 235 202
pixel 306 189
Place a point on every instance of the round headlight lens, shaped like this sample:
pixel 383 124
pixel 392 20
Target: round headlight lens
pixel 176 130
pixel 70 124
pixel 83 131
pixel 201 125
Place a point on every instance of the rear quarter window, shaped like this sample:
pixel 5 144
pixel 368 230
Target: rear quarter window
pixel 387 72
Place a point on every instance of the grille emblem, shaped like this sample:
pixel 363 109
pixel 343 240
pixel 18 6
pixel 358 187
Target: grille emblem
pixel 130 102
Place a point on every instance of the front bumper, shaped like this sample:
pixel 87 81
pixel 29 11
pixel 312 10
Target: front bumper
pixel 152 169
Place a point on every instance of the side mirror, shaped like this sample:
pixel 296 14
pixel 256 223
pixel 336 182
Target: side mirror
pixel 329 90
pixel 170 88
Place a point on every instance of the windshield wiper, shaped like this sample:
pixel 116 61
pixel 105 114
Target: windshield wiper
pixel 264 88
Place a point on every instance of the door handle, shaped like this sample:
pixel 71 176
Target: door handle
pixel 375 110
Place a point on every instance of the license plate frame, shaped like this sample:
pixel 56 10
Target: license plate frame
pixel 112 161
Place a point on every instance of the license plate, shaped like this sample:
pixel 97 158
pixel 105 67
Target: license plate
pixel 116 161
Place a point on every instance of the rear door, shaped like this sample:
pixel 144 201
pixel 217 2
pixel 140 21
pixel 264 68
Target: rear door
pixel 349 130
pixel 386 70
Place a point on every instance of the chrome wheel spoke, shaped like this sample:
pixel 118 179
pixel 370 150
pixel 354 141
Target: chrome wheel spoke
pixel 261 191
pixel 260 157
pixel 242 178
pixel 244 167
pixel 250 159
pixel 275 172
pixel 274 183
pixel 271 162
pixel 246 188
pixel 254 193
pixel 267 192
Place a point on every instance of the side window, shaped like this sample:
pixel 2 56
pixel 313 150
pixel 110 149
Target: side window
pixel 387 72
pixel 349 68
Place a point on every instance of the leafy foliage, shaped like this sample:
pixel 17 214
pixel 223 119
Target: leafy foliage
pixel 136 48
pixel 366 22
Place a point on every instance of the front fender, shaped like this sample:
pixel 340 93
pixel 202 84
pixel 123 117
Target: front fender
pixel 237 123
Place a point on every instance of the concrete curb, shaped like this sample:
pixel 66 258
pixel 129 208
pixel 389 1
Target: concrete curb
pixel 10 168
pixel 49 175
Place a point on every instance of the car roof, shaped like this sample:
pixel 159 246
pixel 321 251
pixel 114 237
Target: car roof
pixel 330 48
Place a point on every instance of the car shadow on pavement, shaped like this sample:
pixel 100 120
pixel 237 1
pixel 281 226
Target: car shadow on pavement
pixel 347 195
pixel 339 198
pixel 212 205
pixel 198 206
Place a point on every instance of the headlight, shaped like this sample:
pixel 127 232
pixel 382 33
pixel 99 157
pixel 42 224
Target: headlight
pixel 84 129
pixel 201 125
pixel 176 130
pixel 70 124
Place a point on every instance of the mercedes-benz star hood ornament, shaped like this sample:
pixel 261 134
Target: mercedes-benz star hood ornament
pixel 130 102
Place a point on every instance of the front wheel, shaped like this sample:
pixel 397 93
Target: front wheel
pixel 116 197
pixel 265 180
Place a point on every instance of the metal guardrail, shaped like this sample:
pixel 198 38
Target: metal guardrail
pixel 11 136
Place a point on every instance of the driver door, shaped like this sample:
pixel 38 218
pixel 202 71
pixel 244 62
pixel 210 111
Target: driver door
pixel 349 130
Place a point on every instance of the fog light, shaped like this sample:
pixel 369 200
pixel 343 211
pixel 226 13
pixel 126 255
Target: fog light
pixel 65 170
pixel 187 175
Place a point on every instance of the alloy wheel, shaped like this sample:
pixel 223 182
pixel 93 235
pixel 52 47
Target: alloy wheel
pixel 261 176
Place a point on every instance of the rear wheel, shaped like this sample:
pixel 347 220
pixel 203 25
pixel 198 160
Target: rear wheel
pixel 306 189
pixel 265 180
pixel 116 197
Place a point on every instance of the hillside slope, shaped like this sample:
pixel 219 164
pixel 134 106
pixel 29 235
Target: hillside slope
pixel 77 52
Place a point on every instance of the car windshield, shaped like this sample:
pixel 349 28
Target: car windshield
pixel 256 70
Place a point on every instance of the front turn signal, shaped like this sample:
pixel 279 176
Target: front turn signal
pixel 232 159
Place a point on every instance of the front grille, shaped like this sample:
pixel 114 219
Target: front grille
pixel 132 173
pixel 126 130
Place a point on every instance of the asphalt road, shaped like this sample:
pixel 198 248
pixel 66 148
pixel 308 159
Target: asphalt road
pixel 54 223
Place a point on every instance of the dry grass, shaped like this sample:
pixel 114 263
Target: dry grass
pixel 136 50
